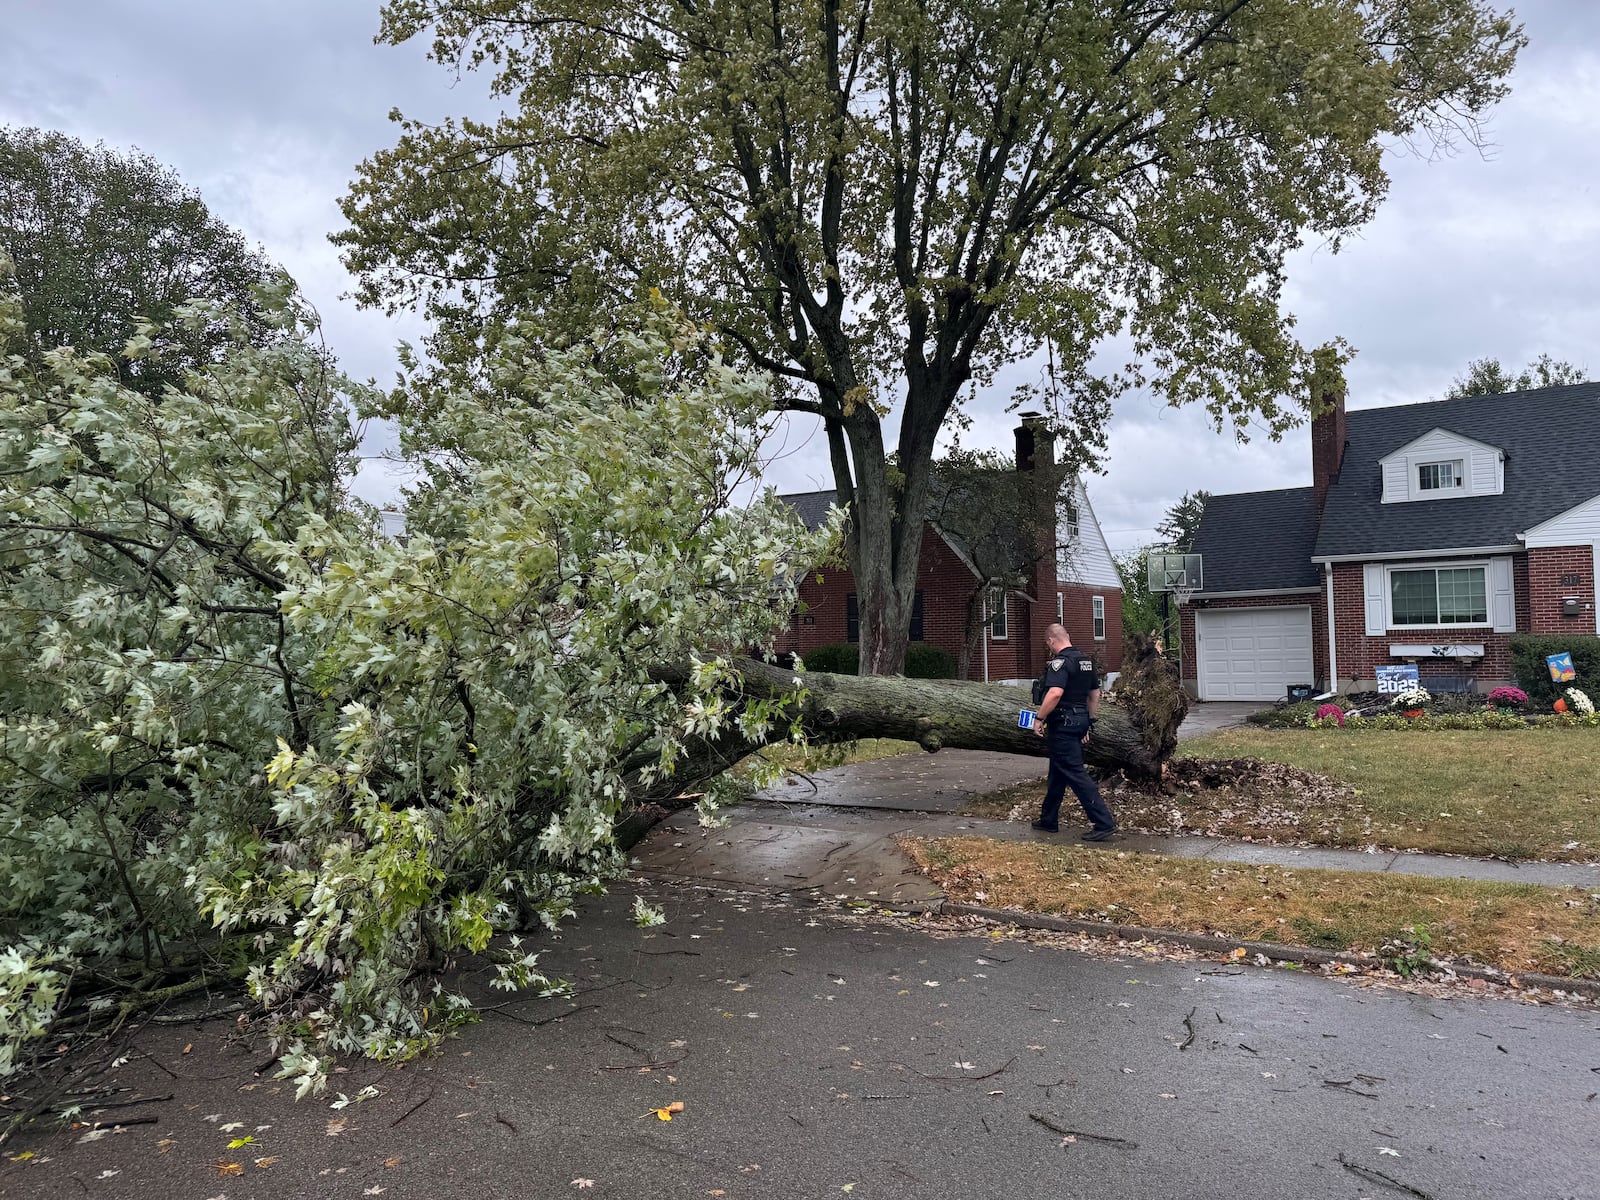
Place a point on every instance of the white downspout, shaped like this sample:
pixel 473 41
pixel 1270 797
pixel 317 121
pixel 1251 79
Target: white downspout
pixel 1333 640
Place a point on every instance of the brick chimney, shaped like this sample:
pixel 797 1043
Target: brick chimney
pixel 1327 444
pixel 1036 451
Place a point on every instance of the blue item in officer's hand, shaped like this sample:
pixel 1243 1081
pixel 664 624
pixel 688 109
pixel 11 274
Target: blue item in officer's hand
pixel 1026 719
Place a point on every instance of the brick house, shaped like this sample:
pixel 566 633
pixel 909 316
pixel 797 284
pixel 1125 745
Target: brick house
pixel 978 597
pixel 1430 532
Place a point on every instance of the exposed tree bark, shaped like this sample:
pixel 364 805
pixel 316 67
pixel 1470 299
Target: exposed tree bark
pixel 1135 735
pixel 941 714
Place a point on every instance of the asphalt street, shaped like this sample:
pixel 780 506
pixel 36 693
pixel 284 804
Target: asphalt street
pixel 826 1053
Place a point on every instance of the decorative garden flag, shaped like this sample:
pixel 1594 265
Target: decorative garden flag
pixel 1561 668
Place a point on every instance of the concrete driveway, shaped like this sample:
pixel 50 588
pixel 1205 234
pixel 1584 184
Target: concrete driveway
pixel 1212 715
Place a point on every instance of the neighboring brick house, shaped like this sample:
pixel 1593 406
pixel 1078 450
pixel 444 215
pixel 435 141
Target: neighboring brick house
pixel 984 604
pixel 1431 532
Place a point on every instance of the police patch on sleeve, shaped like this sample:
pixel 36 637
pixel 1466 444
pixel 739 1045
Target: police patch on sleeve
pixel 1055 663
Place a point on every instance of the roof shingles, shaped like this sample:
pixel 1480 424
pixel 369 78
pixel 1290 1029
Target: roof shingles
pixel 1263 541
pixel 1550 437
pixel 1258 541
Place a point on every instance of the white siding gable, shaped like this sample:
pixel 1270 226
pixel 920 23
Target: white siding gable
pixel 1576 527
pixel 1481 468
pixel 1085 559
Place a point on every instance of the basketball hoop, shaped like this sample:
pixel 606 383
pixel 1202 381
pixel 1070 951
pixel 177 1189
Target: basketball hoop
pixel 1182 595
pixel 1177 573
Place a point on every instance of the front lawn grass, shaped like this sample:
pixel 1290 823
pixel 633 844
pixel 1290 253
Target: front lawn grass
pixel 1517 927
pixel 1496 793
pixel 1512 794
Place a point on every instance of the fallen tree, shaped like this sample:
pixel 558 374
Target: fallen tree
pixel 1135 734
pixel 248 739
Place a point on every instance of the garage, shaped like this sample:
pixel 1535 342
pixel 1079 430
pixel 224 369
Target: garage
pixel 1252 653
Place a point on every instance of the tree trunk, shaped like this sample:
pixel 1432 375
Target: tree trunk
pixel 940 714
pixel 1136 735
pixel 882 604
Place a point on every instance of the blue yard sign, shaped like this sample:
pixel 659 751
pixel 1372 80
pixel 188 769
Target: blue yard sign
pixel 1394 680
pixel 1561 668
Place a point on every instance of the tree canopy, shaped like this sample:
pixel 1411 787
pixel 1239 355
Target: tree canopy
pixel 1486 377
pixel 102 242
pixel 229 707
pixel 883 201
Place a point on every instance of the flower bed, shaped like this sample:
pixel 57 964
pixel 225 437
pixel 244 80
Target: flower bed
pixel 1310 716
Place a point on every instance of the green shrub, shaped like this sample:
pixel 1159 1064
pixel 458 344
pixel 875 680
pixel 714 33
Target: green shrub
pixel 929 662
pixel 836 660
pixel 922 661
pixel 1287 716
pixel 1528 654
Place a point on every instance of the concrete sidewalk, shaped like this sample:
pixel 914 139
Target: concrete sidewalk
pixel 851 854
pixel 945 782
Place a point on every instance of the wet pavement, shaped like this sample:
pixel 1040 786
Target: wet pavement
pixel 852 854
pixel 947 781
pixel 913 782
pixel 820 1054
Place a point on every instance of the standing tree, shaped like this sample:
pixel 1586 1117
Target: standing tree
pixel 103 242
pixel 1181 522
pixel 882 201
pixel 1141 609
pixel 1486 377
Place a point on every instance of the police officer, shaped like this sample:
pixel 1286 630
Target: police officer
pixel 1070 697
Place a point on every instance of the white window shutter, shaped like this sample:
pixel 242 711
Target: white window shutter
pixel 1502 596
pixel 1377 602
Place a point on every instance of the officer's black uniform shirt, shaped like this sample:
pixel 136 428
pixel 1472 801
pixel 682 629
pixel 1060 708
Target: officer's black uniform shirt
pixel 1075 675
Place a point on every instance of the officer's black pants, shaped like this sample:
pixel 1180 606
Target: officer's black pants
pixel 1067 770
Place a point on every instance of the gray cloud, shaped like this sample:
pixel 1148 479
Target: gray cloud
pixel 267 106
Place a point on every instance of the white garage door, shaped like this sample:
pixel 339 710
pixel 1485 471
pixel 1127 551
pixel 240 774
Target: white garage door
pixel 1253 653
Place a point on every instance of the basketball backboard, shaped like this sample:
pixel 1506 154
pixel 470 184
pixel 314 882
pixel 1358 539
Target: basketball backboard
pixel 1173 572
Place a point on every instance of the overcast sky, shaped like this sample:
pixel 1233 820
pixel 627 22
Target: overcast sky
pixel 266 106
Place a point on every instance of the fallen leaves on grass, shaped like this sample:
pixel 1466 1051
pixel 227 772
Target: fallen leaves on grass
pixel 1514 927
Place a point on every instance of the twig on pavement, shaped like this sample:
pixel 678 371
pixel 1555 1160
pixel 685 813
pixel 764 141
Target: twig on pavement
pixel 411 1110
pixel 1375 1176
pixel 1078 1133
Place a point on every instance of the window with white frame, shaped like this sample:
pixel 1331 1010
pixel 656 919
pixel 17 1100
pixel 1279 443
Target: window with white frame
pixel 1070 510
pixel 1061 609
pixel 995 605
pixel 1098 603
pixel 1437 596
pixel 1440 476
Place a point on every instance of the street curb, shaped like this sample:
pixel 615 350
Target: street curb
pixel 1273 951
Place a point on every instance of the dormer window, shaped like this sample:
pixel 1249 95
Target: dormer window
pixel 1442 465
pixel 1440 476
